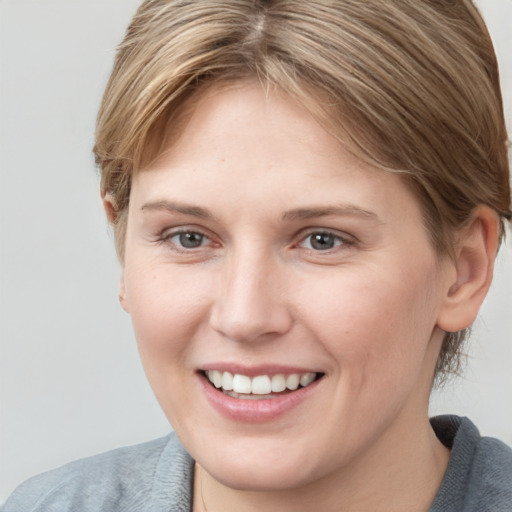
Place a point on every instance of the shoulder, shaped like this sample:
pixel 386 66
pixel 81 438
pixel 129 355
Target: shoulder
pixel 479 474
pixel 491 474
pixel 120 480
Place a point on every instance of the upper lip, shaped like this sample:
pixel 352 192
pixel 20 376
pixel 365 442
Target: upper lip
pixel 256 370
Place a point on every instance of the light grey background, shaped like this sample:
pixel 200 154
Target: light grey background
pixel 70 381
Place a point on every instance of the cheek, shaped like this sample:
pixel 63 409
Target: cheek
pixel 168 312
pixel 372 322
pixel 167 309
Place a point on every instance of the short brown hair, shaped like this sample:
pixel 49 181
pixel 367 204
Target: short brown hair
pixel 410 86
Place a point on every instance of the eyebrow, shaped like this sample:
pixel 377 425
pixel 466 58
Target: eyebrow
pixel 183 208
pixel 290 215
pixel 324 211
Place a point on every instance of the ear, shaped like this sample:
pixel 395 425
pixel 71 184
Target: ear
pixel 474 266
pixel 110 207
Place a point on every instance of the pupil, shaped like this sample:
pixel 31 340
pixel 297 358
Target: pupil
pixel 191 240
pixel 322 241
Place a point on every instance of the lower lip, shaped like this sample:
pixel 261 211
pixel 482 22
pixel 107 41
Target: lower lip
pixel 254 411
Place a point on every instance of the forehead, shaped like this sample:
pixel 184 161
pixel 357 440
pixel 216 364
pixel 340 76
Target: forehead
pixel 243 100
pixel 244 120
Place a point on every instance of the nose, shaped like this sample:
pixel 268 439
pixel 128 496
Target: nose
pixel 251 301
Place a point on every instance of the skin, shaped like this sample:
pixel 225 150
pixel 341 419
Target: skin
pixel 252 175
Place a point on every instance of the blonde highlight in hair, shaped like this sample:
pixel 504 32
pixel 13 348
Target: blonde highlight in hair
pixel 410 86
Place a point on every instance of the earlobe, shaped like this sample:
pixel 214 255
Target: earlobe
pixel 474 265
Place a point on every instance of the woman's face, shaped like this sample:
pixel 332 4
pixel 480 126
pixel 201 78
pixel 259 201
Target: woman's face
pixel 259 248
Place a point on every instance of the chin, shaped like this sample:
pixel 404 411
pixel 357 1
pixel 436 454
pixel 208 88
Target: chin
pixel 263 476
pixel 262 464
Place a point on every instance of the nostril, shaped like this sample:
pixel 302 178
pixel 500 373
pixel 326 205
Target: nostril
pixel 251 330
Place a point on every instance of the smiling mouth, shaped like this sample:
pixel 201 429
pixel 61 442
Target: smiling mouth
pixel 261 387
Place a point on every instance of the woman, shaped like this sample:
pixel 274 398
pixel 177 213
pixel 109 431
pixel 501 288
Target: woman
pixel 307 199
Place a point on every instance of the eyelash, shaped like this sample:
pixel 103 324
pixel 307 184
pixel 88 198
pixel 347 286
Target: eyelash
pixel 167 237
pixel 337 239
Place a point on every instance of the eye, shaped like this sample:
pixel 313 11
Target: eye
pixel 322 241
pixel 188 239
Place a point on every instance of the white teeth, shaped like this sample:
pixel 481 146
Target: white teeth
pixel 278 383
pixel 217 378
pixel 292 381
pixel 260 385
pixel 307 379
pixel 241 384
pixel 227 381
